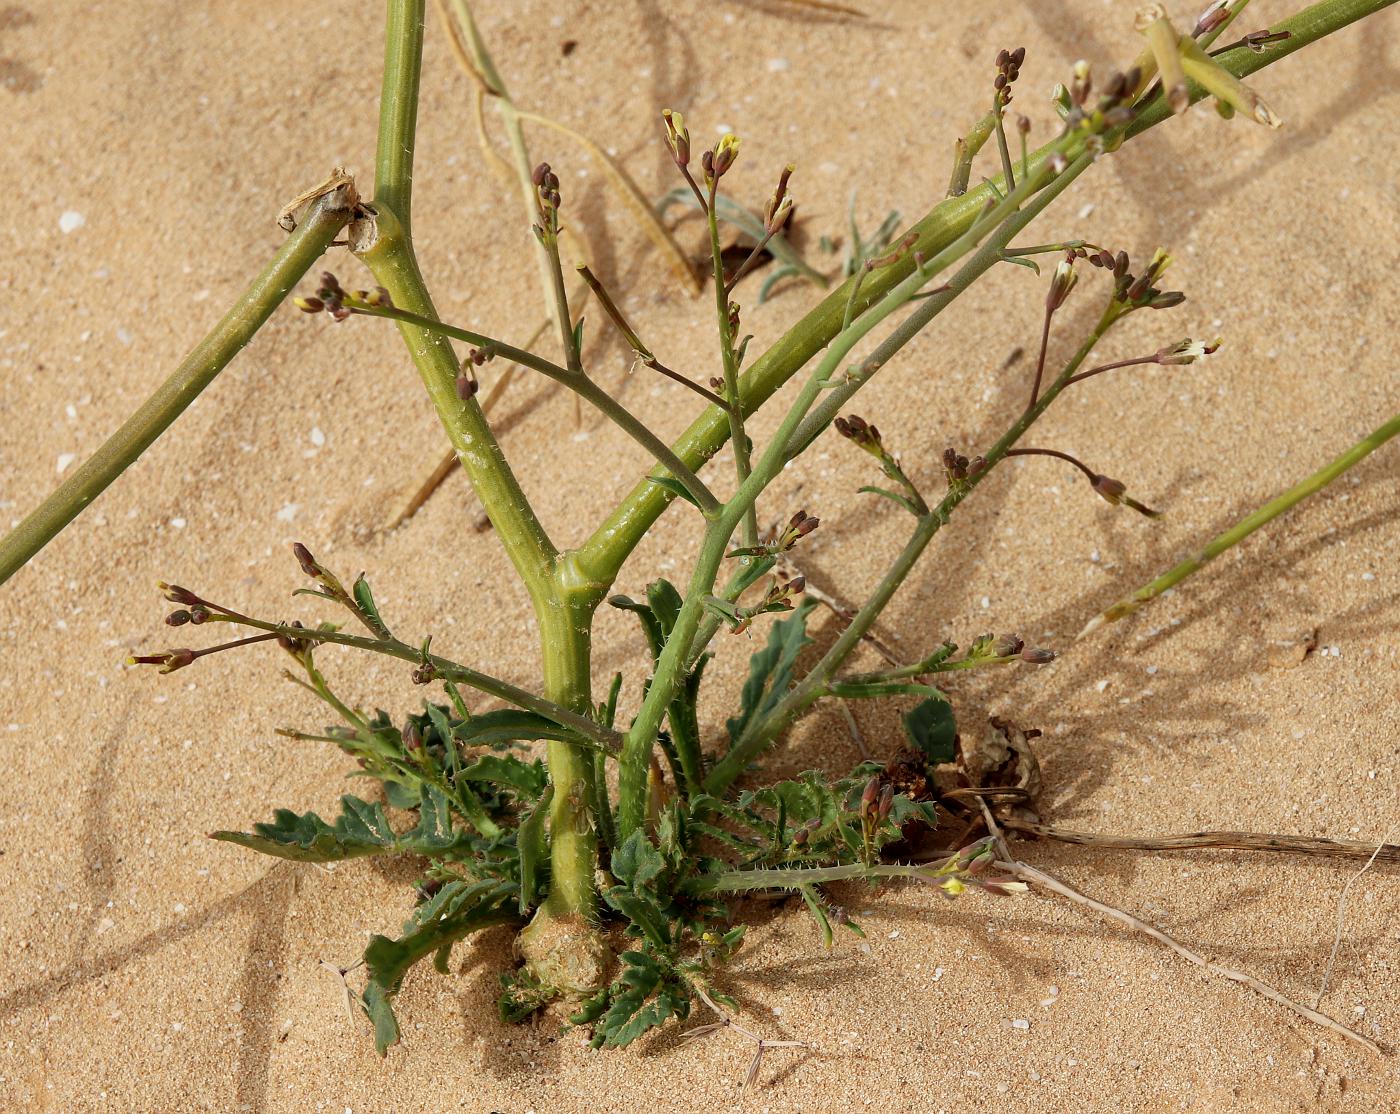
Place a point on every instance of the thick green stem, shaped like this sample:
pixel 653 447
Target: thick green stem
pixel 398 108
pixel 565 636
pixel 326 217
pixel 563 604
pixel 395 266
pixel 605 552
pixel 1247 525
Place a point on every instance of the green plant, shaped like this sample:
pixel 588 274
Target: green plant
pixel 620 893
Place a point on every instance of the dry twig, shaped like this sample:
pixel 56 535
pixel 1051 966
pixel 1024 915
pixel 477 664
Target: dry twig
pixel 762 1044
pixel 1232 841
pixel 1341 912
pixel 1030 874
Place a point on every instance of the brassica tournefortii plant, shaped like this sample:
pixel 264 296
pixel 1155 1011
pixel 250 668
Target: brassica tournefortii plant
pixel 619 827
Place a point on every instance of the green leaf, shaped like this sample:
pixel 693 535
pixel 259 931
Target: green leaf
pixel 675 487
pixel 644 996
pixel 508 725
pixel 818 913
pixel 364 600
pixel 637 862
pixel 722 608
pixel 666 604
pixel 644 913
pixel 434 834
pixel 361 829
pixel 457 910
pixel 770 671
pixel 932 730
pixel 528 779
pixel 532 848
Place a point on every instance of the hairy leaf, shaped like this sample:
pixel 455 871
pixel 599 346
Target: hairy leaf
pixel 532 847
pixel 637 862
pixel 457 910
pixel 361 829
pixel 508 725
pixel 528 779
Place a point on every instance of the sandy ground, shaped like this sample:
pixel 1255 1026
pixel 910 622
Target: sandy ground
pixel 144 967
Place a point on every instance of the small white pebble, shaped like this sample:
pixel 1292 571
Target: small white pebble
pixel 986 601
pixel 177 1026
pixel 1151 670
pixel 1101 685
pixel 1020 1023
pixel 178 523
pixel 894 935
pixel 71 221
pixel 289 512
pixel 777 65
pixel 1368 576
pixel 124 337
pixel 64 460
pixel 937 973
pixel 1086 211
pixel 317 437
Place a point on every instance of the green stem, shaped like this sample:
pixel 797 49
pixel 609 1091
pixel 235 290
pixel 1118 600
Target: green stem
pixel 920 669
pixel 786 443
pixel 811 687
pixel 556 712
pixel 298 254
pixel 398 108
pixel 734 412
pixel 575 380
pixel 608 548
pixel 565 637
pixel 563 601
pixel 1247 525
pixel 395 266
pixel 790 878
pixel 520 156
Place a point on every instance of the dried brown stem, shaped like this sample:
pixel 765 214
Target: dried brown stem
pixel 1225 841
pixel 762 1044
pixel 1036 877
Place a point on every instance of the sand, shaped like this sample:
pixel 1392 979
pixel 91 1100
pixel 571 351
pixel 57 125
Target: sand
pixel 146 968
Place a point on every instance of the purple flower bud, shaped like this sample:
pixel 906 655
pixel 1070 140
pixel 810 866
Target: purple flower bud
pixel 175 594
pixel 882 810
pixel 869 795
pixel 306 561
